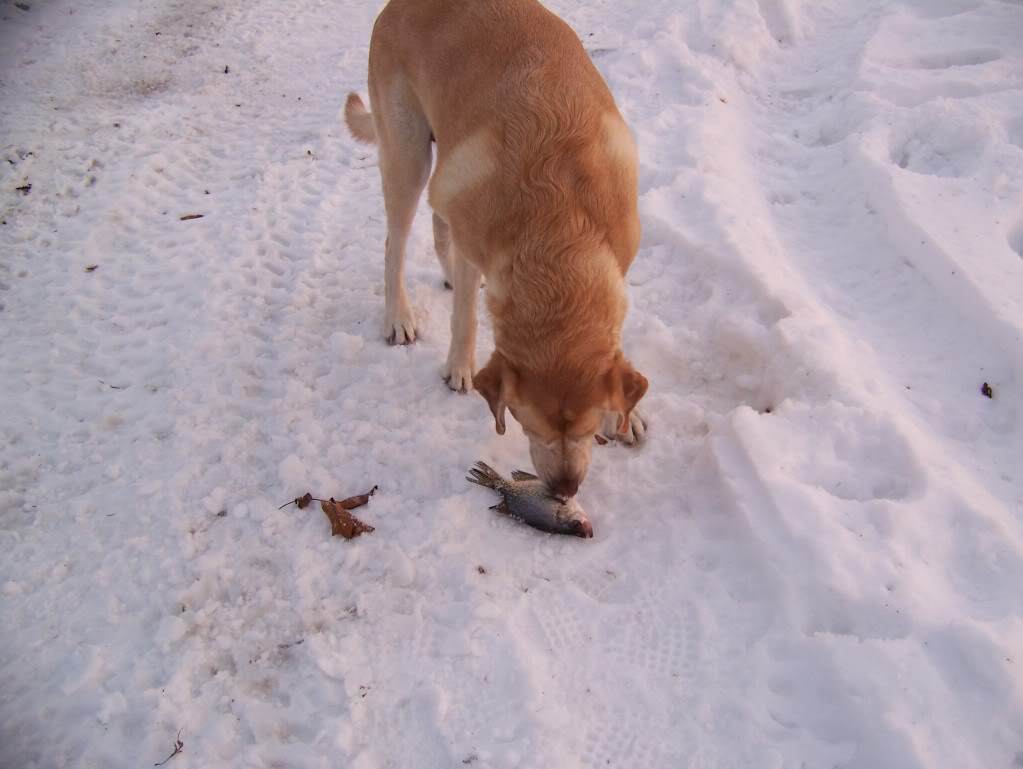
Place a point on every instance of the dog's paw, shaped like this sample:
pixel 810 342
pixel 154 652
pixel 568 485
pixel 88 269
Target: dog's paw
pixel 635 430
pixel 400 326
pixel 458 376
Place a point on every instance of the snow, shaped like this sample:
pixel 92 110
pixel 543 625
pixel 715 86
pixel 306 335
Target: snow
pixel 816 559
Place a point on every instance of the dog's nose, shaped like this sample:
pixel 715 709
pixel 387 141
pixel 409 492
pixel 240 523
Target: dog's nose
pixel 565 487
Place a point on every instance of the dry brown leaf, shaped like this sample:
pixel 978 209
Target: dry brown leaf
pixel 358 500
pixel 342 522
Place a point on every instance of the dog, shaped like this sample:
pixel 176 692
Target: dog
pixel 535 188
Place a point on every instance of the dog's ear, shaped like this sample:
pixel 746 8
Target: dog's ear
pixel 627 387
pixel 493 382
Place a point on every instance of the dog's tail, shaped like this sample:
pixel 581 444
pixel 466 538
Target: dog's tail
pixel 359 119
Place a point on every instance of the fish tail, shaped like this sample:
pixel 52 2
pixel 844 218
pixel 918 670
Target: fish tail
pixel 484 475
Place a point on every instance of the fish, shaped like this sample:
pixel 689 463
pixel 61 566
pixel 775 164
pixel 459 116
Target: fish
pixel 526 498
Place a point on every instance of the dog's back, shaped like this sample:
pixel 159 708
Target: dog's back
pixel 520 115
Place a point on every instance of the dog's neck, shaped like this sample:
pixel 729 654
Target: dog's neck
pixel 559 309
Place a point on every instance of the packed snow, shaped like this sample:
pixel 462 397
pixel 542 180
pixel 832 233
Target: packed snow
pixel 814 561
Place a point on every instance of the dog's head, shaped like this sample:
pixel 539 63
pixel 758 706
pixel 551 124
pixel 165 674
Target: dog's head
pixel 560 412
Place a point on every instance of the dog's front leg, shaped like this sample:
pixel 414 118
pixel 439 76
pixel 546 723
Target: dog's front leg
pixel 461 361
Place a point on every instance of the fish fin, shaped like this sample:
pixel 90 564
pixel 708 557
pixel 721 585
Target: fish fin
pixel 483 474
pixel 487 469
pixel 502 507
pixel 522 475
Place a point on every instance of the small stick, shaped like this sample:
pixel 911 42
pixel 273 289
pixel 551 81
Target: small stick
pixel 302 501
pixel 187 217
pixel 178 745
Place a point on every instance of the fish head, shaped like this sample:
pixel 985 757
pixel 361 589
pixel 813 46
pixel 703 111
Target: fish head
pixel 573 520
pixel 581 528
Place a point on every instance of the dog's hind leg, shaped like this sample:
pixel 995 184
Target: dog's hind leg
pixel 461 361
pixel 403 136
pixel 442 245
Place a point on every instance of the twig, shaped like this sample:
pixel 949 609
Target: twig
pixel 302 501
pixel 178 745
pixel 189 217
pixel 113 387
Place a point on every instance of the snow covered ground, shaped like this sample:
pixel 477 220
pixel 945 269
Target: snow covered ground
pixel 816 560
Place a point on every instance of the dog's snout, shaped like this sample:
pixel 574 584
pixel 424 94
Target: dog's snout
pixel 565 486
pixel 563 467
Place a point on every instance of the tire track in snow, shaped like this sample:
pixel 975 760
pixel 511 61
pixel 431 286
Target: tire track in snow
pixel 306 379
pixel 874 292
pixel 917 352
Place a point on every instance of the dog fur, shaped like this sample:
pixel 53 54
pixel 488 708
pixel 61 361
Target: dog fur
pixel 535 187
